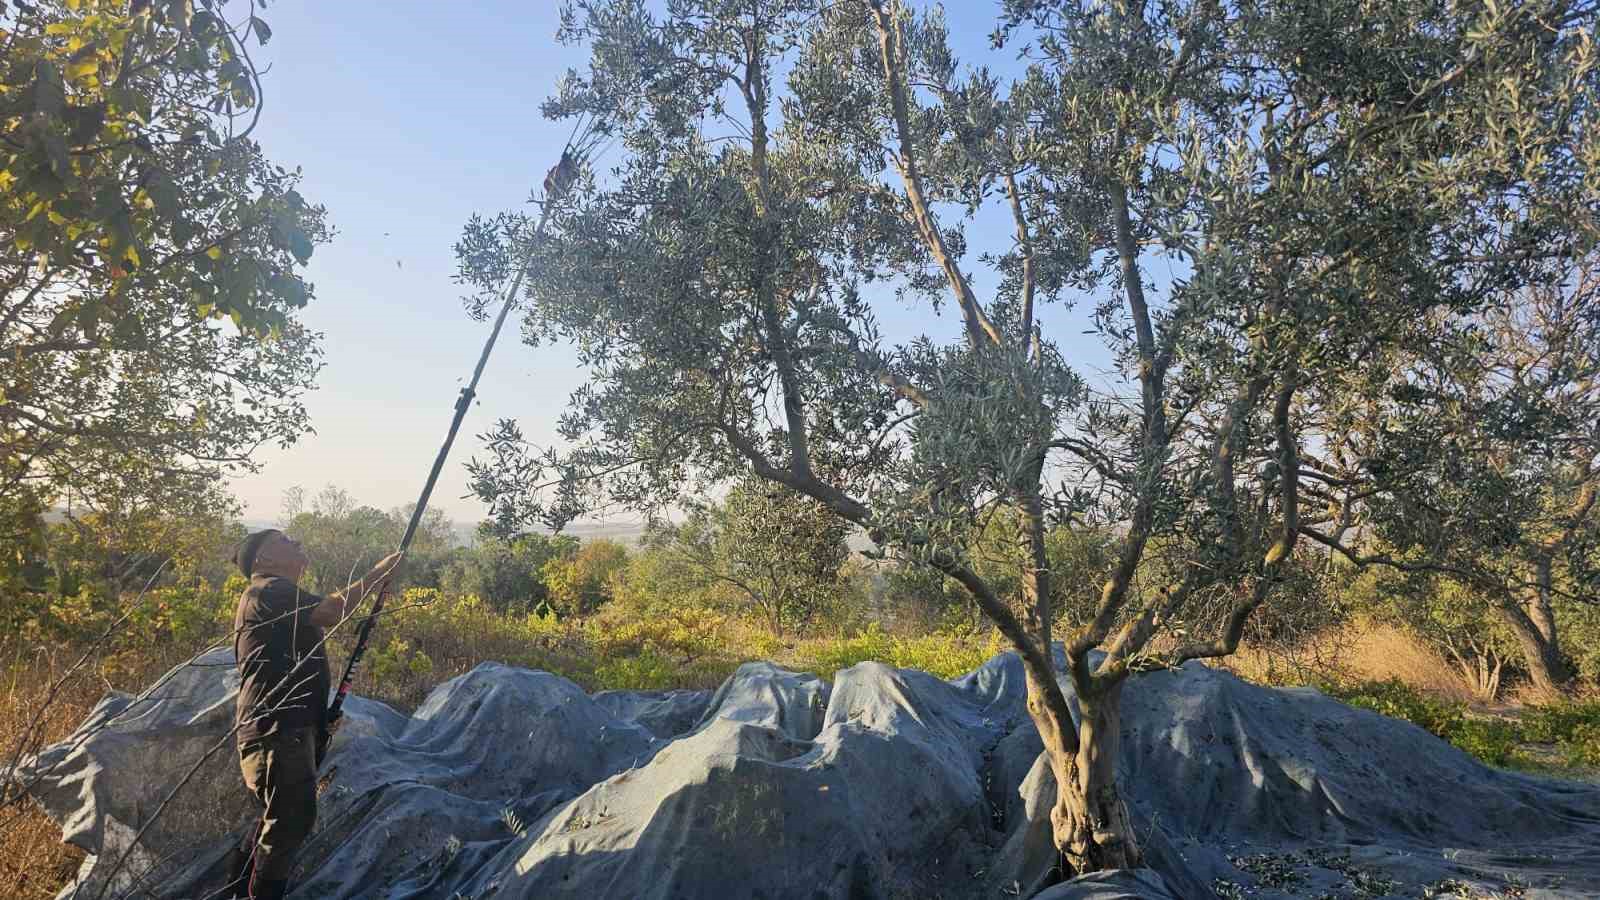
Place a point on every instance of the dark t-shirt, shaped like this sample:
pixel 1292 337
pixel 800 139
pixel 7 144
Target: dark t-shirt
pixel 283 671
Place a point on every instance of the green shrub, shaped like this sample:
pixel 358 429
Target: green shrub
pixel 684 634
pixel 762 644
pixel 1582 746
pixel 945 653
pixel 1573 727
pixel 398 661
pixel 827 657
pixel 197 612
pixel 1580 637
pixel 1492 741
pixel 1397 700
pixel 644 670
pixel 1556 723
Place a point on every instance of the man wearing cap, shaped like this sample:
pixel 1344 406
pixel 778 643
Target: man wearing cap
pixel 282 712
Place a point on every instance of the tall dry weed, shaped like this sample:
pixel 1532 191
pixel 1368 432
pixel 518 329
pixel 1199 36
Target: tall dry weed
pixel 1380 652
pixel 1357 651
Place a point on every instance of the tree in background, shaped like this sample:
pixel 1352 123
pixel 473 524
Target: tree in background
pixel 779 555
pixel 90 564
pixel 660 577
pixel 1478 465
pixel 506 572
pixel 1076 556
pixel 137 217
pixel 1327 182
pixel 1458 622
pixel 123 548
pixel 578 583
pixel 344 539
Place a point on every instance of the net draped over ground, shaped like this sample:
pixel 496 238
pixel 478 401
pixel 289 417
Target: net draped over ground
pixel 883 783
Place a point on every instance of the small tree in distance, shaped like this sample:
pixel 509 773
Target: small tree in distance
pixel 505 571
pixel 344 538
pixel 579 582
pixel 780 553
pixel 1320 179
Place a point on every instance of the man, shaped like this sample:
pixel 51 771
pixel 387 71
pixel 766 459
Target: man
pixel 282 713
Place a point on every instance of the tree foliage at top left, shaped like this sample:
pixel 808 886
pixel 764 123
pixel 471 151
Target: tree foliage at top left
pixel 137 216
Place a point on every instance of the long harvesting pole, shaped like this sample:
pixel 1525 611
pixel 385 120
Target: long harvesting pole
pixel 463 402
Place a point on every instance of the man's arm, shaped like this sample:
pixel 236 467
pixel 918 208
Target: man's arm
pixel 336 606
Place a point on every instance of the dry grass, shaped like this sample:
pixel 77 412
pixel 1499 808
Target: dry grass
pixel 1307 662
pixel 1357 652
pixel 1525 693
pixel 47 695
pixel 33 861
pixel 1382 652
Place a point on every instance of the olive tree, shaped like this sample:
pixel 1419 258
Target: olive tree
pixel 1315 176
pixel 1077 557
pixel 1486 475
pixel 779 553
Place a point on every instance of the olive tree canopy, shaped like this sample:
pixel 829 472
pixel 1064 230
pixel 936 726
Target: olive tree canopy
pixel 1325 181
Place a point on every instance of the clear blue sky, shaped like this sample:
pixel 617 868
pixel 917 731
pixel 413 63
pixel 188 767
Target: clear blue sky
pixel 407 117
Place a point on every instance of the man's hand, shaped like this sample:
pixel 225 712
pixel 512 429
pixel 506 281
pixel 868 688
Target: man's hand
pixel 324 741
pixel 380 573
pixel 387 564
pixel 340 604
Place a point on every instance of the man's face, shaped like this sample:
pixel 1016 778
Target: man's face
pixel 282 555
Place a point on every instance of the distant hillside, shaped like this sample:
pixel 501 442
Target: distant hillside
pixel 466 532
pixel 626 532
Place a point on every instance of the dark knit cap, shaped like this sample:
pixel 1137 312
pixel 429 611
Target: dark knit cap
pixel 245 556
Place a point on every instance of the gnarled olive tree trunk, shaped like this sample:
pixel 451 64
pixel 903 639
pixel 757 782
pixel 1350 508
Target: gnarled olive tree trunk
pixel 1090 821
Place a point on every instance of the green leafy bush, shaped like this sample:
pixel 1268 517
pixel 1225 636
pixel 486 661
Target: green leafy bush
pixel 1573 727
pixel 1398 700
pixel 654 671
pixel 682 635
pixel 1580 627
pixel 1583 745
pixel 947 653
pixel 397 660
pixel 1555 723
pixel 827 657
pixel 1493 741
